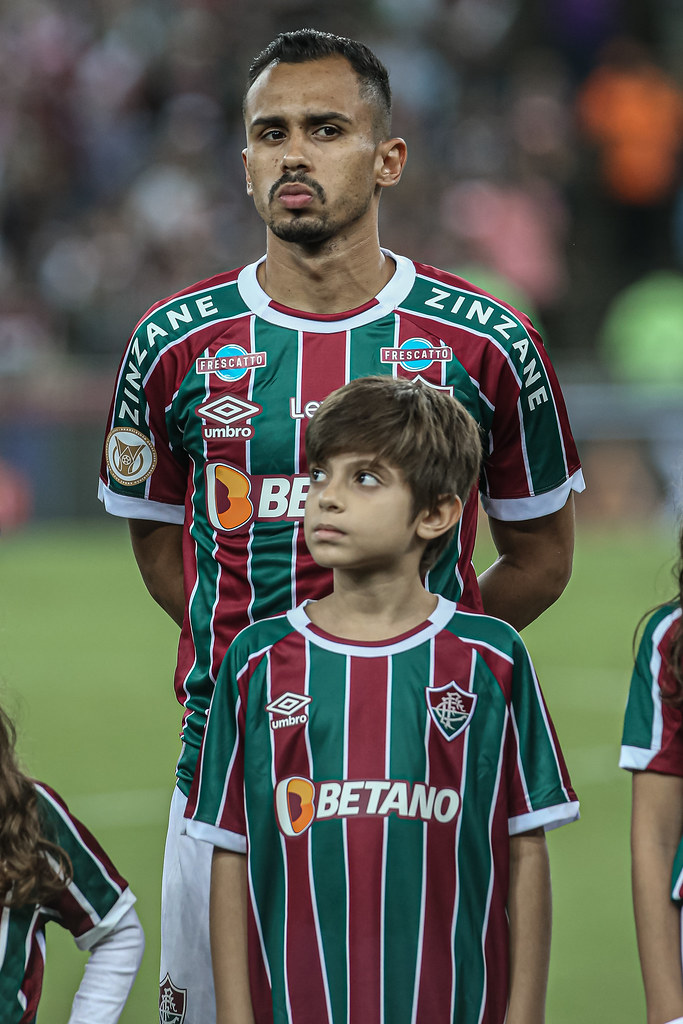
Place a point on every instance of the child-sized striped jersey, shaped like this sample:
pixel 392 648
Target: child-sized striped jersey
pixel 375 788
pixel 92 904
pixel 653 730
pixel 207 429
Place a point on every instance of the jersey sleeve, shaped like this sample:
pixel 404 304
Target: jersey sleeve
pixel 652 738
pixel 144 469
pixel 531 464
pixel 215 807
pixel 540 792
pixel 98 896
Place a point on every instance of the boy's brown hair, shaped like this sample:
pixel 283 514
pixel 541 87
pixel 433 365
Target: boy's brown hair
pixel 425 432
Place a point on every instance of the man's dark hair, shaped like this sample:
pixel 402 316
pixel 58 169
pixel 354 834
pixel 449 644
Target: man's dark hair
pixel 308 44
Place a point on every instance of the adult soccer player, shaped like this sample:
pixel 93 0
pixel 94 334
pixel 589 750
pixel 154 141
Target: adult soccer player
pixel 204 454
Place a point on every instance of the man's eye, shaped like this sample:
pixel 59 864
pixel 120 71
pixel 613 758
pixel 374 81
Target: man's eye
pixel 328 131
pixel 273 135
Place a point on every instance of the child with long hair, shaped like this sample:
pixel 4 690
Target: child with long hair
pixel 652 748
pixel 52 868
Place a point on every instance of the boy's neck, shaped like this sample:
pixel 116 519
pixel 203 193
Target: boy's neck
pixel 371 610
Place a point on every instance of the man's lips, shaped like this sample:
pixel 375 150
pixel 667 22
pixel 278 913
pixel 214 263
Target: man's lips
pixel 293 197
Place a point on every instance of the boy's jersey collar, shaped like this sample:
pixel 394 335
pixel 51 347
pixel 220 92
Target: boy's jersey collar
pixel 439 618
pixel 391 296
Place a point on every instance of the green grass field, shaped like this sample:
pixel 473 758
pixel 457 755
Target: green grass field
pixel 86 668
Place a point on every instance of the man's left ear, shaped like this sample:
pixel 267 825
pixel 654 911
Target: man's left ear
pixel 393 154
pixel 434 523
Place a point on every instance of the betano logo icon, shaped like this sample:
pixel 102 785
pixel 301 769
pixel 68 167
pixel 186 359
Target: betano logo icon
pixel 234 499
pixel 294 805
pixel 298 801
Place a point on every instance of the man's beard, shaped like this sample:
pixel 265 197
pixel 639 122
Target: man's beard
pixel 306 231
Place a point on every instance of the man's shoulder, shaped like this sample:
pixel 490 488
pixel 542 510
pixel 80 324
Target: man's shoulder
pixel 194 293
pixel 444 296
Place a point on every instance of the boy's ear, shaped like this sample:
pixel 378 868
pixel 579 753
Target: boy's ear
pixel 434 523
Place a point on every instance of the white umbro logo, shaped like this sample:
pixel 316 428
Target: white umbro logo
pixel 228 410
pixel 288 703
pixel 291 709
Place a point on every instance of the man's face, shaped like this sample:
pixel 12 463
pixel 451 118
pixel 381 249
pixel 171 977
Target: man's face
pixel 312 158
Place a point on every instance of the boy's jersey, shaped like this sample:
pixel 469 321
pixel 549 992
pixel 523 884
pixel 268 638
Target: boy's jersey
pixel 92 904
pixel 653 730
pixel 207 429
pixel 375 787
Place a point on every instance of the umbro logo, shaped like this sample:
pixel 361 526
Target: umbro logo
pixel 288 709
pixel 229 411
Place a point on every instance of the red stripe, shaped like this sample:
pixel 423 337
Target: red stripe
pixel 32 984
pixel 366 760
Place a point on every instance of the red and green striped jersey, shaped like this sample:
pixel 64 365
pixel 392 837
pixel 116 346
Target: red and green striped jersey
pixel 652 739
pixel 93 903
pixel 375 787
pixel 207 429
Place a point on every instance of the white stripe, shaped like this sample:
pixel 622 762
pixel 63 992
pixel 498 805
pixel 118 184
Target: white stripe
pixel 458 830
pixel 423 892
pixel 345 838
pixel 297 463
pixel 247 470
pixel 4 929
pixel 385 840
pixel 28 943
pixel 309 840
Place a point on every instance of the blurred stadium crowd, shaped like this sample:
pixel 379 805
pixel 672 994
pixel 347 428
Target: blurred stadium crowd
pixel 544 136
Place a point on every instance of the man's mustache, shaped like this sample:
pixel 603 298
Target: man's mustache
pixel 298 179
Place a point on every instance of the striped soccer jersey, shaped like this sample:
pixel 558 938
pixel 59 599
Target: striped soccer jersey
pixel 207 429
pixel 94 902
pixel 653 731
pixel 375 787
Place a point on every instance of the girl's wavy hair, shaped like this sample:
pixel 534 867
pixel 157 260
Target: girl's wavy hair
pixel 32 868
pixel 672 690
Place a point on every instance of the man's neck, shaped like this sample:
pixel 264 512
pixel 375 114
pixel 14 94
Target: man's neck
pixel 327 279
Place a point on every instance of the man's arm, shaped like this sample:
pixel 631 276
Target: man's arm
pixel 656 829
pixel 533 566
pixel 158 550
pixel 529 911
pixel 228 928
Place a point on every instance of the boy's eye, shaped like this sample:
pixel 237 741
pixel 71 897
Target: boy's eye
pixel 316 475
pixel 367 479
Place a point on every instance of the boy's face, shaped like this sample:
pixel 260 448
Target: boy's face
pixel 359 515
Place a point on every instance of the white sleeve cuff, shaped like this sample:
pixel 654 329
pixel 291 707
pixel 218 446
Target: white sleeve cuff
pixel 129 507
pixel 110 973
pixel 511 510
pixel 215 835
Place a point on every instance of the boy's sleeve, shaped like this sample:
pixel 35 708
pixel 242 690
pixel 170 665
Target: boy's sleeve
pixel 215 807
pixel 97 897
pixel 540 792
pixel 653 731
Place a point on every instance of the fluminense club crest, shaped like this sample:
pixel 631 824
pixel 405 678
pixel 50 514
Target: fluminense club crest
pixel 450 707
pixel 172 1002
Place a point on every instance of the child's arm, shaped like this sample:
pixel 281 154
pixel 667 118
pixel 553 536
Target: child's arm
pixel 656 829
pixel 228 926
pixel 110 973
pixel 529 911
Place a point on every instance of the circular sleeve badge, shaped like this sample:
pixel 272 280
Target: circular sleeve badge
pixel 130 455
